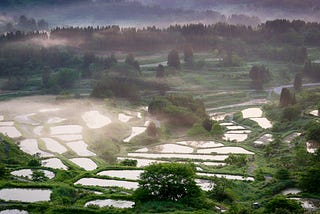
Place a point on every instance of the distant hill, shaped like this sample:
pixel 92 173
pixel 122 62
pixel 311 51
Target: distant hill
pixel 161 13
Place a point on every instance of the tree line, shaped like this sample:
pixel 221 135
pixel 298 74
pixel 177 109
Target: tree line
pixel 297 33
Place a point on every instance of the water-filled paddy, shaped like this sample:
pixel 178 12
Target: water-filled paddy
pixel 30 146
pixel 237 137
pixel 231 177
pixel 25 195
pixel 65 129
pixel 200 144
pixel 7 123
pixel 95 120
pixel 263 140
pixel 54 146
pixel 225 150
pixel 53 163
pixel 124 174
pixel 251 112
pixel 180 156
pixel 54 120
pixel 13 211
pixel 124 118
pixel 10 131
pixel 289 191
pixel 85 163
pixel 111 203
pixel 28 173
pixel 263 122
pixel 38 130
pixel 80 148
pixel 107 183
pixel 172 148
pixel 71 137
pixel 141 162
pixel 135 132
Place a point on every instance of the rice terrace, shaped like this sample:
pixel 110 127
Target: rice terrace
pixel 122 106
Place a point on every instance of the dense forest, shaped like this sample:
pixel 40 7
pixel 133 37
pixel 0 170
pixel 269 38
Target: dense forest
pixel 280 40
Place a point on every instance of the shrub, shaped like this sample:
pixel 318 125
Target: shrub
pixel 167 182
pixel 129 162
pixel 280 204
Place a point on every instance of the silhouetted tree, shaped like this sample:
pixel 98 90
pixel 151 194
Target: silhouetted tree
pixel 46 72
pixel 152 130
pixel 297 82
pixel 160 71
pixel 188 56
pixel 129 59
pixel 88 59
pixel 174 59
pixel 207 124
pixel 259 75
pixel 134 63
pixel 286 98
pixel 43 25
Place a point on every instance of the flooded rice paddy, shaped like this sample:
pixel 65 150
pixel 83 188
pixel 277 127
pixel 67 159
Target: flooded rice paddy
pixel 53 163
pixel 124 174
pixel 107 183
pixel 84 163
pixel 27 173
pixel 111 203
pixel 95 120
pixel 25 195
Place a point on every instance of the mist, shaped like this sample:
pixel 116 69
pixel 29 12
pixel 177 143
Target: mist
pixel 222 93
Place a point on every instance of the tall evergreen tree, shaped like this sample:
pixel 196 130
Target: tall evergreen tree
pixel 297 82
pixel 174 59
pixel 286 98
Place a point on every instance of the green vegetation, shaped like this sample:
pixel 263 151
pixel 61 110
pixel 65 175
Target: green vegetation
pixel 169 182
pixel 11 154
pixel 218 72
pixel 283 205
pixel 174 59
pixel 259 75
pixel 181 110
